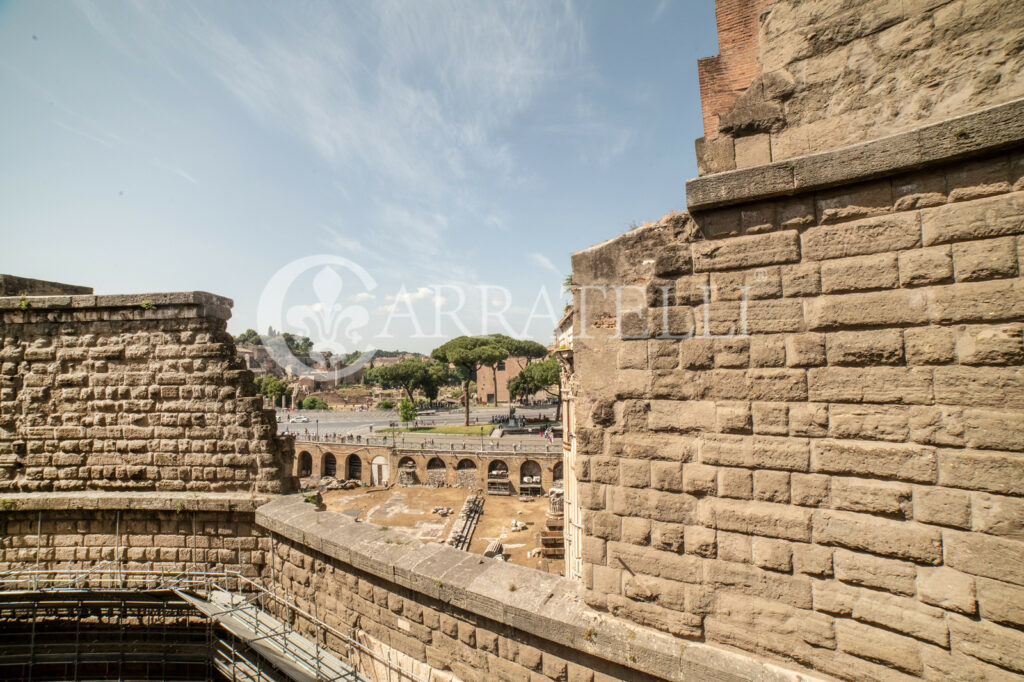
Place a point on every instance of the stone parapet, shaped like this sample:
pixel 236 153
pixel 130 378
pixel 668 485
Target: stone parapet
pixel 463 612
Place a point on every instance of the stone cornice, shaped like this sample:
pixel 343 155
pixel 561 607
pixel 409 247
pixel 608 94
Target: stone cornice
pixel 988 130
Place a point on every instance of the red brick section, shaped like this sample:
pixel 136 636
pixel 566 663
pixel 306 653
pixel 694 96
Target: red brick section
pixel 723 77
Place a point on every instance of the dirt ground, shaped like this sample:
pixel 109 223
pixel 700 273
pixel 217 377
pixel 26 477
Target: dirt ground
pixel 409 508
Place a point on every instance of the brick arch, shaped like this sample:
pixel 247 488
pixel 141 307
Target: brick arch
pixel 305 464
pixel 329 466
pixel 354 467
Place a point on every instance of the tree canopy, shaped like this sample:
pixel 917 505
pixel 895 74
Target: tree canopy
pixel 467 354
pixel 539 376
pixel 412 375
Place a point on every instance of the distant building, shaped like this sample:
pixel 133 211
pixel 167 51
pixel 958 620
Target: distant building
pixel 485 389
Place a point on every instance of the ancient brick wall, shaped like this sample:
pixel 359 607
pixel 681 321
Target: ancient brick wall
pixel 795 78
pixel 824 462
pixel 133 393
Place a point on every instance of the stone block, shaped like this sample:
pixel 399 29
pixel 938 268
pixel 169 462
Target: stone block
pixel 991 301
pixel 667 475
pixel 736 483
pixel 772 554
pixel 985 259
pixel 732 417
pixel 753 150
pixel 991 217
pixel 896 539
pixel 700 479
pixel 985 555
pixel 809 490
pixel 869 422
pixel 878 645
pixel 942 506
pixel 906 462
pixel 859 273
pixel 692 290
pixel 899 307
pixel 929 345
pixel 997 515
pixel 767 452
pixel 699 540
pixel 771 486
pixel 757 518
pixel 734 547
pixel 805 350
pixel 947 589
pixel 881 385
pixel 808 419
pixel 862 237
pixel 732 352
pixel 863 348
pixel 767 351
pixel 990 344
pixel 931 265
pixel 980 386
pixel 746 252
pixel 1000 603
pixel 636 531
pixel 682 416
pixel 994 472
pixel 801 279
pixel 812 559
pixel 697 353
pixel 770 418
pixel 635 473
pixel 871 496
pixel 994 644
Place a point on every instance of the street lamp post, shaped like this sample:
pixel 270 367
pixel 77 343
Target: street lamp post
pixel 318 429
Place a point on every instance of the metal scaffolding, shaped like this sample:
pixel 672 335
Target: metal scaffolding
pixel 110 623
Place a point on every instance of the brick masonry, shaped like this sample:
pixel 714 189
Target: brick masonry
pixel 793 78
pixel 839 486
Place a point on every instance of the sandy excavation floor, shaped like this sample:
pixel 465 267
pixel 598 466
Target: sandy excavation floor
pixel 409 508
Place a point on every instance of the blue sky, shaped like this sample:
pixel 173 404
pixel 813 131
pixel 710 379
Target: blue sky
pixel 164 146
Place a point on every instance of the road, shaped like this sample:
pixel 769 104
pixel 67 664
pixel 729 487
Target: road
pixel 343 422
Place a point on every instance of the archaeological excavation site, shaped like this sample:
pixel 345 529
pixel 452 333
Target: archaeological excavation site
pixel 792 442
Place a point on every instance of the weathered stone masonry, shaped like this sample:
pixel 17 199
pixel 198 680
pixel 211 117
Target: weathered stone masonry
pixel 140 393
pixel 842 486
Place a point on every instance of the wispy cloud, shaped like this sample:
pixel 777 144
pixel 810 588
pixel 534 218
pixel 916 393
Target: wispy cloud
pixel 546 263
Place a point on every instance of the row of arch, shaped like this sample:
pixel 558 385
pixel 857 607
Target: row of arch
pixel 466 470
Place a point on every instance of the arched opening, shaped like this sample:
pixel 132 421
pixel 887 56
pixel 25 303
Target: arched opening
pixel 379 470
pixel 465 474
pixel 556 474
pixel 305 464
pixel 407 472
pixel 529 478
pixel 437 473
pixel 355 468
pixel 497 478
pixel 330 465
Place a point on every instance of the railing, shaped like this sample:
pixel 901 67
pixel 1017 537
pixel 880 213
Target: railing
pixel 239 591
pixel 517 449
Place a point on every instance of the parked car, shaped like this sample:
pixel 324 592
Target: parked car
pixel 299 420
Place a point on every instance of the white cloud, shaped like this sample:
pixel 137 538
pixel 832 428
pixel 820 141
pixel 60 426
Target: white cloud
pixel 545 263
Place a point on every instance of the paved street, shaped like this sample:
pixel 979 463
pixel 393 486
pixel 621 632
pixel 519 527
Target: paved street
pixel 325 424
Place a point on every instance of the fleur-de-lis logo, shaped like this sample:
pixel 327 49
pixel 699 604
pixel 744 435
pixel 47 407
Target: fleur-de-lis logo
pixel 330 323
pixel 334 325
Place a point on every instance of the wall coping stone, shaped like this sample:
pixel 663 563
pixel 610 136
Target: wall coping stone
pixel 542 604
pixel 147 501
pixel 988 130
pixel 214 305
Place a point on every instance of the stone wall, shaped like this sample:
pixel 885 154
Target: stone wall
pixel 132 393
pixel 823 461
pixel 463 616
pixel 795 78
pixel 169 533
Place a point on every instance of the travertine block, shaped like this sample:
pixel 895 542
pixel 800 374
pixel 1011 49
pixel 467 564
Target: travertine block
pixel 746 252
pixel 897 539
pixel 801 279
pixel 770 418
pixel 805 350
pixel 872 496
pixel 931 265
pixel 929 345
pixel 879 385
pixel 947 589
pixel 862 237
pixel 869 422
pixel 890 575
pixel 737 483
pixel 991 217
pixel 874 309
pixel 985 259
pixel 860 348
pixel 859 273
pixel 942 506
pixel 904 462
